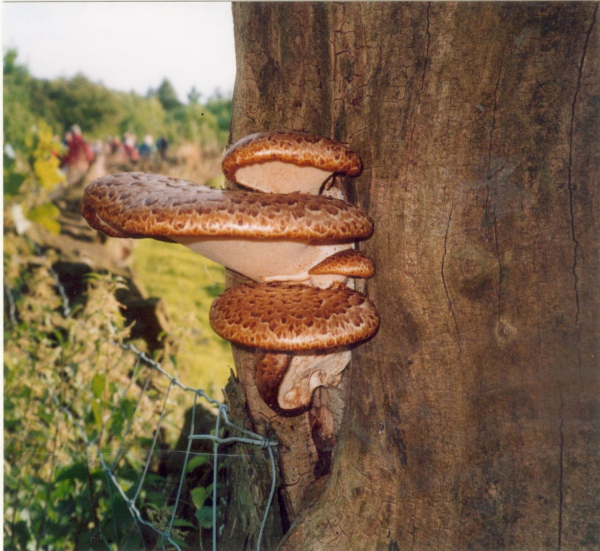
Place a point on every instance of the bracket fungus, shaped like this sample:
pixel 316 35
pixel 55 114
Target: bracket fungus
pixel 317 325
pixel 266 237
pixel 296 244
pixel 286 162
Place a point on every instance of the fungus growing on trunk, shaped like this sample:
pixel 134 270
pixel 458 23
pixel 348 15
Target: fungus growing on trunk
pixel 349 263
pixel 305 331
pixel 266 237
pixel 288 161
pixel 317 325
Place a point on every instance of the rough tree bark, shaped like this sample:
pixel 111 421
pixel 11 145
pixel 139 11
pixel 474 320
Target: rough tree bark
pixel 472 419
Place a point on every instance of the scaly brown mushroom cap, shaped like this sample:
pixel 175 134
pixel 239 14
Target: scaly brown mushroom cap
pixel 293 317
pixel 349 263
pixel 288 161
pixel 136 204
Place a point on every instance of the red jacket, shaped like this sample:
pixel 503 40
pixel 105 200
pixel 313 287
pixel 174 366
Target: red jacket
pixel 79 151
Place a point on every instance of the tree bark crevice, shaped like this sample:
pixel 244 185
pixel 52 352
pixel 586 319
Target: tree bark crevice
pixel 450 306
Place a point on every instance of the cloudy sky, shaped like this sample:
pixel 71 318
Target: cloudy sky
pixel 126 45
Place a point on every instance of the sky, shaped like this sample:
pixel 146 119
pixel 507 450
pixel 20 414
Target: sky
pixel 126 45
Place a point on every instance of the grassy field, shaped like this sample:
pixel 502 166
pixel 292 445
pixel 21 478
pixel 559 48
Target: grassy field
pixel 188 283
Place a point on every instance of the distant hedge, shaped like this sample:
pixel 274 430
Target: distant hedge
pixel 103 113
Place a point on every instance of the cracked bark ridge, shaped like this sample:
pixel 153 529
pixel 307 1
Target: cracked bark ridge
pixel 471 420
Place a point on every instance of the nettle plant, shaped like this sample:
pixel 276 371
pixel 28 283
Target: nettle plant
pixel 68 380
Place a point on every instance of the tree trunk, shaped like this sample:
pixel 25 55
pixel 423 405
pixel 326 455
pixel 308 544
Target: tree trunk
pixel 472 419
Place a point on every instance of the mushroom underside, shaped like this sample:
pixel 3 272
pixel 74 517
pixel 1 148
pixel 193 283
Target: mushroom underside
pixel 286 382
pixel 308 372
pixel 280 177
pixel 268 259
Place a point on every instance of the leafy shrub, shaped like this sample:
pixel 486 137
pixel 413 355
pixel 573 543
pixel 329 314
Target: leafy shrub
pixel 67 381
pixel 66 378
pixel 31 176
pixel 51 360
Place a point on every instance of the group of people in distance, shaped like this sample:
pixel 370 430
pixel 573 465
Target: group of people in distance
pixel 79 154
pixel 128 148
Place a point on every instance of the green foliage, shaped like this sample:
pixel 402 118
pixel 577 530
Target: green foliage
pixel 103 113
pixel 167 96
pixel 46 215
pixel 140 116
pixel 18 113
pixel 30 177
pixel 196 462
pixel 204 516
pixel 194 96
pixel 43 156
pixel 164 270
pixel 194 123
pixel 55 491
pixel 64 374
pixel 66 379
pixel 220 107
pixel 12 177
pixel 77 100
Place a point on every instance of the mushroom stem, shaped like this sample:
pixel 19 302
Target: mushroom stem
pixel 269 371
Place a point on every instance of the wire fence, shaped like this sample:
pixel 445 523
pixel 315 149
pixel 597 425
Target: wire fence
pixel 93 448
pixel 248 437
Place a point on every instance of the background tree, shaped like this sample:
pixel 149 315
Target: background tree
pixel 76 100
pixel 194 96
pixel 103 113
pixel 471 419
pixel 167 96
pixel 17 86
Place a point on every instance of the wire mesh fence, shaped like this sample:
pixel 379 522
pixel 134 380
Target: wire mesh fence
pixel 247 437
pixel 127 489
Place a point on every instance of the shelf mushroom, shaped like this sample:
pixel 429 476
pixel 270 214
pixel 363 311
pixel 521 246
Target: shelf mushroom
pixel 347 262
pixel 317 325
pixel 266 237
pixel 288 161
pixel 305 331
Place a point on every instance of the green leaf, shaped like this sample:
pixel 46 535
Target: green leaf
pixel 199 496
pixel 179 542
pixel 12 183
pixel 97 411
pixel 204 517
pixel 153 479
pixel 183 523
pixel 76 471
pixel 21 533
pixel 196 462
pixel 65 507
pixel 98 382
pixel 155 498
pixel 45 215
